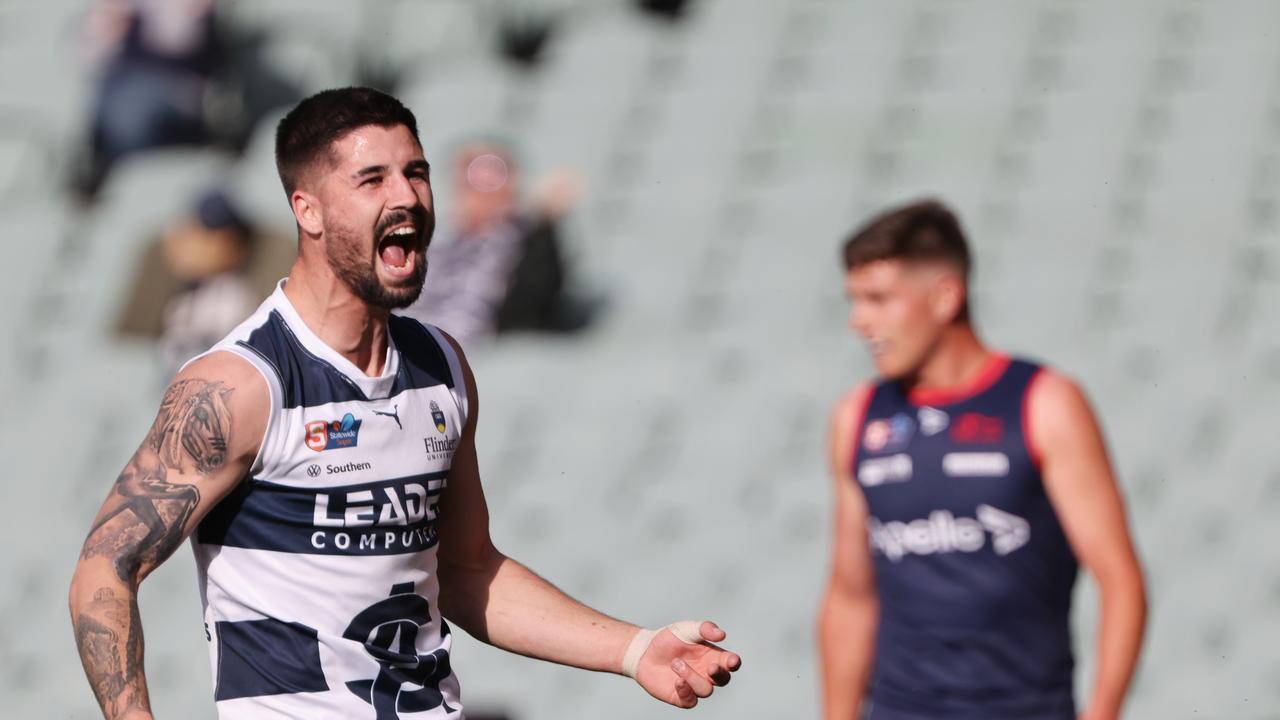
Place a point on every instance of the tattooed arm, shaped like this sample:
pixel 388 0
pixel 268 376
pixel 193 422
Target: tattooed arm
pixel 204 439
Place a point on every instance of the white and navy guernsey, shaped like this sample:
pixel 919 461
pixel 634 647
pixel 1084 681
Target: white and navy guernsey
pixel 318 573
pixel 973 571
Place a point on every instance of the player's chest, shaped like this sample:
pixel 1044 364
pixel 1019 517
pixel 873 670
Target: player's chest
pixel 411 434
pixel 941 456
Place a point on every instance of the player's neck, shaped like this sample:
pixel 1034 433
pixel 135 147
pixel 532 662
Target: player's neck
pixel 338 318
pixel 959 358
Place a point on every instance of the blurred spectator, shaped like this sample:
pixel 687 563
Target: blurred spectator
pixel 209 252
pixel 205 274
pixel 501 269
pixel 157 58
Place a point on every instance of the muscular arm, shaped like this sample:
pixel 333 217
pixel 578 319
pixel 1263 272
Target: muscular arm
pixel 503 603
pixel 1079 481
pixel 500 601
pixel 203 439
pixel 849 614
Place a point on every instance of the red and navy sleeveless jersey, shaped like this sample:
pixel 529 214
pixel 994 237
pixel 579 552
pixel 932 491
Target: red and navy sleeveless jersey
pixel 972 569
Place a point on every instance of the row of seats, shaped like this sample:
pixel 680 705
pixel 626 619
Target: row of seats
pixel 1116 166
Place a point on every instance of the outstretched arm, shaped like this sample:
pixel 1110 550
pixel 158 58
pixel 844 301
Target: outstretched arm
pixel 1077 475
pixel 850 611
pixel 204 438
pixel 503 603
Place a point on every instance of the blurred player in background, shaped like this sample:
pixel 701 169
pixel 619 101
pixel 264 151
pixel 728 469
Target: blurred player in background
pixel 968 486
pixel 324 457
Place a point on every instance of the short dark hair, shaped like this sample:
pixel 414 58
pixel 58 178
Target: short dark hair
pixel 922 230
pixel 311 128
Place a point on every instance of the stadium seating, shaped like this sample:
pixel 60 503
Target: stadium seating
pixel 1118 165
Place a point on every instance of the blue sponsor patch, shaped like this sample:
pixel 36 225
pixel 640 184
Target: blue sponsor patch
pixel 901 428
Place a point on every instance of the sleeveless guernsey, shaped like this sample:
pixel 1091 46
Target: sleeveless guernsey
pixel 973 571
pixel 318 573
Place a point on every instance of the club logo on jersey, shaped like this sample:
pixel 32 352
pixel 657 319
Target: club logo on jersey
pixel 344 433
pixel 976 428
pixel 876 435
pixel 406 682
pixel 942 532
pixel 889 435
pixel 933 421
pixel 438 417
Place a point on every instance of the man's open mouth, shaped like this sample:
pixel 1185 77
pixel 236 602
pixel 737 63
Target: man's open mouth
pixel 398 249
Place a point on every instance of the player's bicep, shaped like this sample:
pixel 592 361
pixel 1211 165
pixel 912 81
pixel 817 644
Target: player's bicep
pixel 1077 474
pixel 464 512
pixel 205 435
pixel 851 568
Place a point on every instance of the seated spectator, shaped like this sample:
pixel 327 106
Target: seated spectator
pixel 209 253
pixel 156 59
pixel 500 269
pixel 205 274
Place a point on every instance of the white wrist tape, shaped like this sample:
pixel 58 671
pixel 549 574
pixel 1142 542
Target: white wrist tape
pixel 688 632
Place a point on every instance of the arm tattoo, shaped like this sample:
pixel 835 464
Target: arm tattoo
pixel 98 630
pixel 148 515
pixel 143 522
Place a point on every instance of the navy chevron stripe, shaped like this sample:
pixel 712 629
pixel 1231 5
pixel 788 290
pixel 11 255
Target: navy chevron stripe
pixel 309 381
pixel 386 517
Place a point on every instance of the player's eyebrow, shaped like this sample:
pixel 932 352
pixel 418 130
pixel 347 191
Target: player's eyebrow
pixel 370 170
pixel 415 165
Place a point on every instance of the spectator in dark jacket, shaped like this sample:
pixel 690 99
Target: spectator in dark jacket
pixel 500 269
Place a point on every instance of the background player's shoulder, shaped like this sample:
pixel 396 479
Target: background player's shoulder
pixel 1030 372
pixel 851 404
pixel 1031 367
pixel 1054 388
pixel 846 422
pixel 1049 391
pixel 1044 378
pixel 1057 410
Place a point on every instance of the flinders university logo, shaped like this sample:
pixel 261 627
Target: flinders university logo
pixel 406 682
pixel 324 435
pixel 438 417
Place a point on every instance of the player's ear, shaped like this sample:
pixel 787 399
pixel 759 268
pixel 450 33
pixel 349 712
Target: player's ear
pixel 948 297
pixel 306 210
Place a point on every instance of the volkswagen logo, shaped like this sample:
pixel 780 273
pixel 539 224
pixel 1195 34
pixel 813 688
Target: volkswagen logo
pixel 313 470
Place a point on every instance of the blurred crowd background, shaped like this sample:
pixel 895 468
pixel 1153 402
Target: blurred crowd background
pixel 640 204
